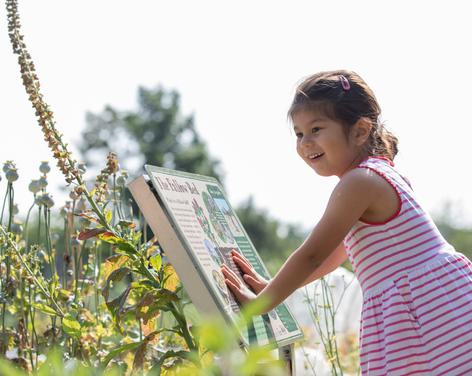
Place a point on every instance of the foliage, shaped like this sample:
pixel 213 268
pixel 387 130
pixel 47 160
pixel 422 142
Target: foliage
pixel 457 235
pixel 106 317
pixel 341 351
pixel 156 133
pixel 272 239
pixel 101 291
pixel 98 313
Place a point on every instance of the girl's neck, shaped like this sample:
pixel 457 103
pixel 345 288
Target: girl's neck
pixel 356 161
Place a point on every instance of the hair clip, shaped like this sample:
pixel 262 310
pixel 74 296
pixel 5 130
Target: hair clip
pixel 344 82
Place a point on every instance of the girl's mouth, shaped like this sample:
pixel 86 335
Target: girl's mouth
pixel 315 156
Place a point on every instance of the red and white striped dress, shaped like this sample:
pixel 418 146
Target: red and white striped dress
pixel 417 291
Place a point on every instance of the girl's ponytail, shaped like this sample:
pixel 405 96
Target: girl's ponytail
pixel 383 142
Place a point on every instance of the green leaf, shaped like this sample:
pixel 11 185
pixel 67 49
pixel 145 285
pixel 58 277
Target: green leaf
pixel 108 216
pixel 182 354
pixel 156 261
pixel 63 294
pixel 89 217
pixel 113 263
pixel 153 302
pixel 90 233
pixel 128 248
pixel 129 224
pixel 7 368
pixel 140 353
pixel 116 307
pixel 45 309
pixel 109 237
pixel 71 326
pixel 119 350
pixel 115 276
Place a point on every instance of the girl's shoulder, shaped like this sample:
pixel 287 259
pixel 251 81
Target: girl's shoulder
pixel 393 192
pixel 377 162
pixel 386 169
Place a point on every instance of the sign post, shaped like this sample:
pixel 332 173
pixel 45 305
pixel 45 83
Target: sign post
pixel 197 230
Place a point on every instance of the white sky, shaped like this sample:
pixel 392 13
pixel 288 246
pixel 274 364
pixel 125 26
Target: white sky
pixel 236 65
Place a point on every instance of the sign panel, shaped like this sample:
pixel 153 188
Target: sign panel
pixel 209 229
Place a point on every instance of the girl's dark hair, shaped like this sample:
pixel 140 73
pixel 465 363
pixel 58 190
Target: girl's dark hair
pixel 346 103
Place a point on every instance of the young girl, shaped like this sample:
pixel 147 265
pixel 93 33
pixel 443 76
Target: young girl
pixel 417 290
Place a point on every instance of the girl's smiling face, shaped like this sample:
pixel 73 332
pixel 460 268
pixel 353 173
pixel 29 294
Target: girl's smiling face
pixel 325 145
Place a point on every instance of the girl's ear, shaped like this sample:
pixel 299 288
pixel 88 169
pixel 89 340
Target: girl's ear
pixel 361 130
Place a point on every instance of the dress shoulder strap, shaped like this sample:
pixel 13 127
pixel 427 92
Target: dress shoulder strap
pixel 386 168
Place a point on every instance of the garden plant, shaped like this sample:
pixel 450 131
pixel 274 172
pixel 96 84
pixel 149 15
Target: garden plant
pixel 84 289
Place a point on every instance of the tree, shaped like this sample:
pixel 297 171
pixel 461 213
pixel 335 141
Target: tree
pixel 457 234
pixel 273 240
pixel 156 133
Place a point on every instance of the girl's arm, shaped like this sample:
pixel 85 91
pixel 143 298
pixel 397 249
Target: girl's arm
pixel 350 199
pixel 258 283
pixel 333 261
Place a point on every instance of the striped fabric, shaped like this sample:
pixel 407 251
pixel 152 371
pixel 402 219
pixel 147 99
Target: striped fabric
pixel 417 291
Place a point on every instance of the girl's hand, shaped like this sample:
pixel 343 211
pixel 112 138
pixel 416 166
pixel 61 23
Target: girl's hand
pixel 251 277
pixel 242 294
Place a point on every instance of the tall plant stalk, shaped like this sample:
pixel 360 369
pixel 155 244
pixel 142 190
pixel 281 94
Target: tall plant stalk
pixel 120 236
pixel 323 314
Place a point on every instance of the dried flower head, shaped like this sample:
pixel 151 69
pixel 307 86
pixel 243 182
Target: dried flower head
pixel 11 175
pixel 47 200
pixel 10 170
pixel 16 227
pixel 43 182
pixel 38 199
pixel 101 182
pixel 34 186
pixel 79 190
pixel 8 165
pixel 43 113
pixel 73 195
pixel 44 167
pixel 112 163
pixel 121 180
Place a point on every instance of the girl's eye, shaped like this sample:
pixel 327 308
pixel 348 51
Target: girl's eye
pixel 299 135
pixel 315 130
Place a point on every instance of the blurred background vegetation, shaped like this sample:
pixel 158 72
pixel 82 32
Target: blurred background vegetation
pixel 158 133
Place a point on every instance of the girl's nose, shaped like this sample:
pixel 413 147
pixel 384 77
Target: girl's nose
pixel 306 140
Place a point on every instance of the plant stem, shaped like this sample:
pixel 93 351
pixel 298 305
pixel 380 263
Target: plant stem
pixel 26 224
pixel 7 260
pixel 38 284
pixel 4 201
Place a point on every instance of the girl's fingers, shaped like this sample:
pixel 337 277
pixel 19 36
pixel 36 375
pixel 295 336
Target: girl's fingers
pixel 247 269
pixel 237 292
pixel 256 284
pixel 241 258
pixel 230 275
pixel 242 262
pixel 234 289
